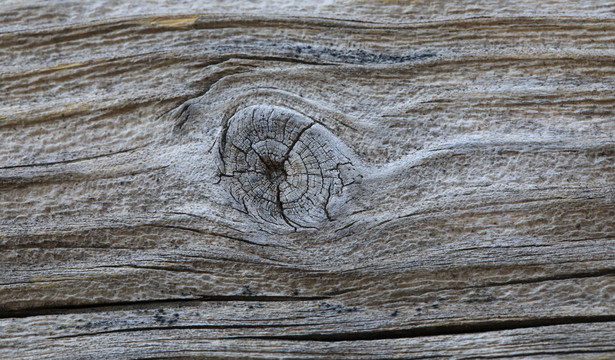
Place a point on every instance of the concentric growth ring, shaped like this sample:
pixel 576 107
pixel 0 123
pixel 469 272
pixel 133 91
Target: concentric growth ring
pixel 282 167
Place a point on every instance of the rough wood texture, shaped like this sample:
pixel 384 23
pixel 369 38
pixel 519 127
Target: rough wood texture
pixel 361 179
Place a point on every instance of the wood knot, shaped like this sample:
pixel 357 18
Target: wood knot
pixel 283 168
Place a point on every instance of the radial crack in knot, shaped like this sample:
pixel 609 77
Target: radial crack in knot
pixel 281 167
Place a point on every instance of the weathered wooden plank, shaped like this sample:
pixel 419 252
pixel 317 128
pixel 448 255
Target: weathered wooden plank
pixel 558 341
pixel 457 198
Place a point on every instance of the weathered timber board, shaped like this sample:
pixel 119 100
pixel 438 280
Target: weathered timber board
pixel 361 179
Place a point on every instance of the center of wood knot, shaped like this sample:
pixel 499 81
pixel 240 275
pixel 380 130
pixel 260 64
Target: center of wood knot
pixel 282 167
pixel 275 172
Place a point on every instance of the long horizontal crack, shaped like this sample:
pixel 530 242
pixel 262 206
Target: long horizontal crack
pixel 69 161
pixel 542 354
pixel 422 331
pixel 566 276
pixel 210 233
pixel 186 327
pixel 558 277
pixel 149 304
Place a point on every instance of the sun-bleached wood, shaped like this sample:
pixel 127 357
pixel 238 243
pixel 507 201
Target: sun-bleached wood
pixel 453 162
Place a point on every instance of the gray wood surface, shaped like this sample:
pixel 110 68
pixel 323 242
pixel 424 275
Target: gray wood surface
pixel 353 179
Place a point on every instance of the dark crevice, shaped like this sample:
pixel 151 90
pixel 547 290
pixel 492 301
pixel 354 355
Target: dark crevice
pixel 73 160
pixel 68 176
pixel 149 304
pixel 565 276
pixel 422 331
pixel 296 140
pixel 327 200
pixel 280 207
pixel 283 59
pixel 542 354
pixel 184 108
pixel 185 327
pixel 157 268
pixel 202 232
pixel 580 275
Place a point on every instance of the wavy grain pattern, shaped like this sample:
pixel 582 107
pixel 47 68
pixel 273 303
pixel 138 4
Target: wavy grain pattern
pixel 449 191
